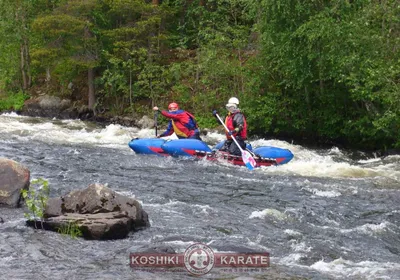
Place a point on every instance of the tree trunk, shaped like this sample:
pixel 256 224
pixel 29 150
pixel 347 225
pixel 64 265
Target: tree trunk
pixel 20 17
pixel 91 93
pixel 27 62
pixel 241 86
pixel 23 72
pixel 48 74
pixel 130 88
pixel 25 66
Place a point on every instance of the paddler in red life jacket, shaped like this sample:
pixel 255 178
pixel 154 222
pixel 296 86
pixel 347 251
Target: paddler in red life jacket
pixel 235 121
pixel 182 123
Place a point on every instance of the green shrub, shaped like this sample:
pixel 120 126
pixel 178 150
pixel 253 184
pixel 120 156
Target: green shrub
pixel 13 101
pixel 36 198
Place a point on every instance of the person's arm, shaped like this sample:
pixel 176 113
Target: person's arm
pixel 166 113
pixel 169 130
pixel 175 117
pixel 238 122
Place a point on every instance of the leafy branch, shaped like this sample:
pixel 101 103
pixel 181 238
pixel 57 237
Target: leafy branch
pixel 36 197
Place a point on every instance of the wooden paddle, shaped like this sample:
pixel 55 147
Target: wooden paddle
pixel 246 156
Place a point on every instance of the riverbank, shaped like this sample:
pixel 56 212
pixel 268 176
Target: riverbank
pixel 48 106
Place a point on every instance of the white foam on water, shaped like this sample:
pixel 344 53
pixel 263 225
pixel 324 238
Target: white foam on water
pixel 328 190
pixel 169 203
pixel 74 151
pixel 206 209
pixel 8 259
pixel 344 268
pixel 389 171
pixel 371 160
pixel 393 158
pixel 179 243
pixel 205 162
pixel 310 163
pixel 213 137
pixel 292 232
pixel 305 162
pixel 367 229
pixel 321 166
pixel 301 247
pixel 239 178
pixel 17 222
pixel 363 269
pixel 322 193
pixel 335 151
pixel 130 194
pixel 71 131
pixel 370 229
pixel 13 114
pixel 276 214
pixel 291 259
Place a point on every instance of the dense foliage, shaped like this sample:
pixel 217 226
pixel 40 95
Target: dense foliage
pixel 326 71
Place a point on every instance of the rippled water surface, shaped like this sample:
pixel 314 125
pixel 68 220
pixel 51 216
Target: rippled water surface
pixel 325 215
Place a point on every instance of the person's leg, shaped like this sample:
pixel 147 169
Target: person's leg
pixel 225 147
pixel 196 136
pixel 241 142
pixel 234 149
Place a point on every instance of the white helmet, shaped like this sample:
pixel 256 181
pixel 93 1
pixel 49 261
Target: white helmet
pixel 233 100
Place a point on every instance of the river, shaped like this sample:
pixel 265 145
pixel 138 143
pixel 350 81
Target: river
pixel 327 214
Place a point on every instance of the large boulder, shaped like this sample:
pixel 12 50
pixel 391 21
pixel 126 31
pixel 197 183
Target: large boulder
pixel 55 107
pixel 146 122
pixel 14 177
pixel 51 103
pixel 97 211
pixel 124 121
pixel 45 106
pixel 100 226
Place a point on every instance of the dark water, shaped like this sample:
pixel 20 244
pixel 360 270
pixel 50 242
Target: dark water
pixel 345 225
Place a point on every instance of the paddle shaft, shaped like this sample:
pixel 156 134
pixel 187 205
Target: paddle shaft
pixel 155 121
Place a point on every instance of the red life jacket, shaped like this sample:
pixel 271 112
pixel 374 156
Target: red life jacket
pixel 229 124
pixel 182 123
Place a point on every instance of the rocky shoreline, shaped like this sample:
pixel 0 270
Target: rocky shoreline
pixel 47 106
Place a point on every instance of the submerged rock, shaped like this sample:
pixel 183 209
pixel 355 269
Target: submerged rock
pixel 97 211
pixel 14 177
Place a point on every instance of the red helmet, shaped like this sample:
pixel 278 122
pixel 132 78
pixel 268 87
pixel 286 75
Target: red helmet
pixel 173 105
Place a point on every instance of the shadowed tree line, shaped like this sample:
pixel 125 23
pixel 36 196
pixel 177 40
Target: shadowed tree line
pixel 321 71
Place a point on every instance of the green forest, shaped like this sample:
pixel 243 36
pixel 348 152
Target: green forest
pixel 317 71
